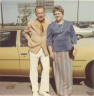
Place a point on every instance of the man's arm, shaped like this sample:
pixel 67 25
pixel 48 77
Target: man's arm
pixel 26 34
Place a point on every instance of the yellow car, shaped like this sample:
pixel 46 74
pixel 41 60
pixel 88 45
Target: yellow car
pixel 14 55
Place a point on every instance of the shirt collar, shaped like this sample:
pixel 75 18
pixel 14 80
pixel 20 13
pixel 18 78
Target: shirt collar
pixel 39 21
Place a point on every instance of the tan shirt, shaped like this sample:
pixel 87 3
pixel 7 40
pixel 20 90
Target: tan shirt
pixel 38 24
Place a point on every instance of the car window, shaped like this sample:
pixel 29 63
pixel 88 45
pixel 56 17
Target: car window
pixel 23 40
pixel 75 27
pixel 8 39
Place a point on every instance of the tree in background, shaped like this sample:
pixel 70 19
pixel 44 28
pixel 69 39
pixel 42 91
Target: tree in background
pixel 27 13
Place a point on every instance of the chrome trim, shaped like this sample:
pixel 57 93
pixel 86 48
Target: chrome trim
pixel 38 76
pixel 76 66
pixel 79 60
pixel 79 77
pixel 9 59
pixel 14 59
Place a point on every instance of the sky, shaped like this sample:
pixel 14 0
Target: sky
pixel 86 10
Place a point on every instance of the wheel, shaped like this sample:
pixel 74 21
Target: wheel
pixel 92 74
pixel 79 37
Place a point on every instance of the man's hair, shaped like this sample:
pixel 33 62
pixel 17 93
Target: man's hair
pixel 38 7
pixel 58 8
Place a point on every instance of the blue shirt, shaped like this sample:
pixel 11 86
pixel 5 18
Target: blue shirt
pixel 61 37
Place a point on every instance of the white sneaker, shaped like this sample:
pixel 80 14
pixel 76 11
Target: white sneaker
pixel 44 93
pixel 35 93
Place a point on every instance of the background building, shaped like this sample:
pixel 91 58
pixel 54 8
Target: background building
pixel 48 4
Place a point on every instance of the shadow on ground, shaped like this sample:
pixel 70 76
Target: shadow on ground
pixel 14 79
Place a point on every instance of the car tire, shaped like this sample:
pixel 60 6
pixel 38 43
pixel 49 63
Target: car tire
pixel 92 74
pixel 78 36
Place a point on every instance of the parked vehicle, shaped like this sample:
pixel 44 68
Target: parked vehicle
pixel 83 25
pixel 14 55
pixel 90 28
pixel 82 33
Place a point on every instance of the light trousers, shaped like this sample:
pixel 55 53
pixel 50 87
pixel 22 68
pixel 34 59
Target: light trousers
pixel 34 58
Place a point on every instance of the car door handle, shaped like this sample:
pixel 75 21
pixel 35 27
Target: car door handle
pixel 23 53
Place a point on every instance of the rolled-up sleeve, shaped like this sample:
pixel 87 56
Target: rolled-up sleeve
pixel 49 36
pixel 73 35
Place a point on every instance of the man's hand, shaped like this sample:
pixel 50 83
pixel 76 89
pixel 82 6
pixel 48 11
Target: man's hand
pixel 29 43
pixel 52 55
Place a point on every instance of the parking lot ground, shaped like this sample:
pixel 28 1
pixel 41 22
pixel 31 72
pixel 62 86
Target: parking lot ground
pixel 22 86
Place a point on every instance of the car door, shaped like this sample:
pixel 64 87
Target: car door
pixel 9 57
pixel 24 54
pixel 83 57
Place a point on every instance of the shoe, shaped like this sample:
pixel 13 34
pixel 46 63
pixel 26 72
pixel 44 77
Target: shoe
pixel 35 93
pixel 44 93
pixel 69 95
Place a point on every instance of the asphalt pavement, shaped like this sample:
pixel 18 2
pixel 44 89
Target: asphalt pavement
pixel 22 86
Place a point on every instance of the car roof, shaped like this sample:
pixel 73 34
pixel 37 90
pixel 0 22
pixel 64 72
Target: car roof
pixel 12 28
pixel 80 29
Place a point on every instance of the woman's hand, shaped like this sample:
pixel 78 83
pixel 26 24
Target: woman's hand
pixel 75 49
pixel 74 52
pixel 52 55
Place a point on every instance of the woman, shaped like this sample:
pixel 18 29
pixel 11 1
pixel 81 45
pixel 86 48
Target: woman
pixel 60 39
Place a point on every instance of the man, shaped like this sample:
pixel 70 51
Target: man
pixel 38 49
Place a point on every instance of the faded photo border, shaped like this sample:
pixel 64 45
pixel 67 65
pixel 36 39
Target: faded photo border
pixel 11 15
